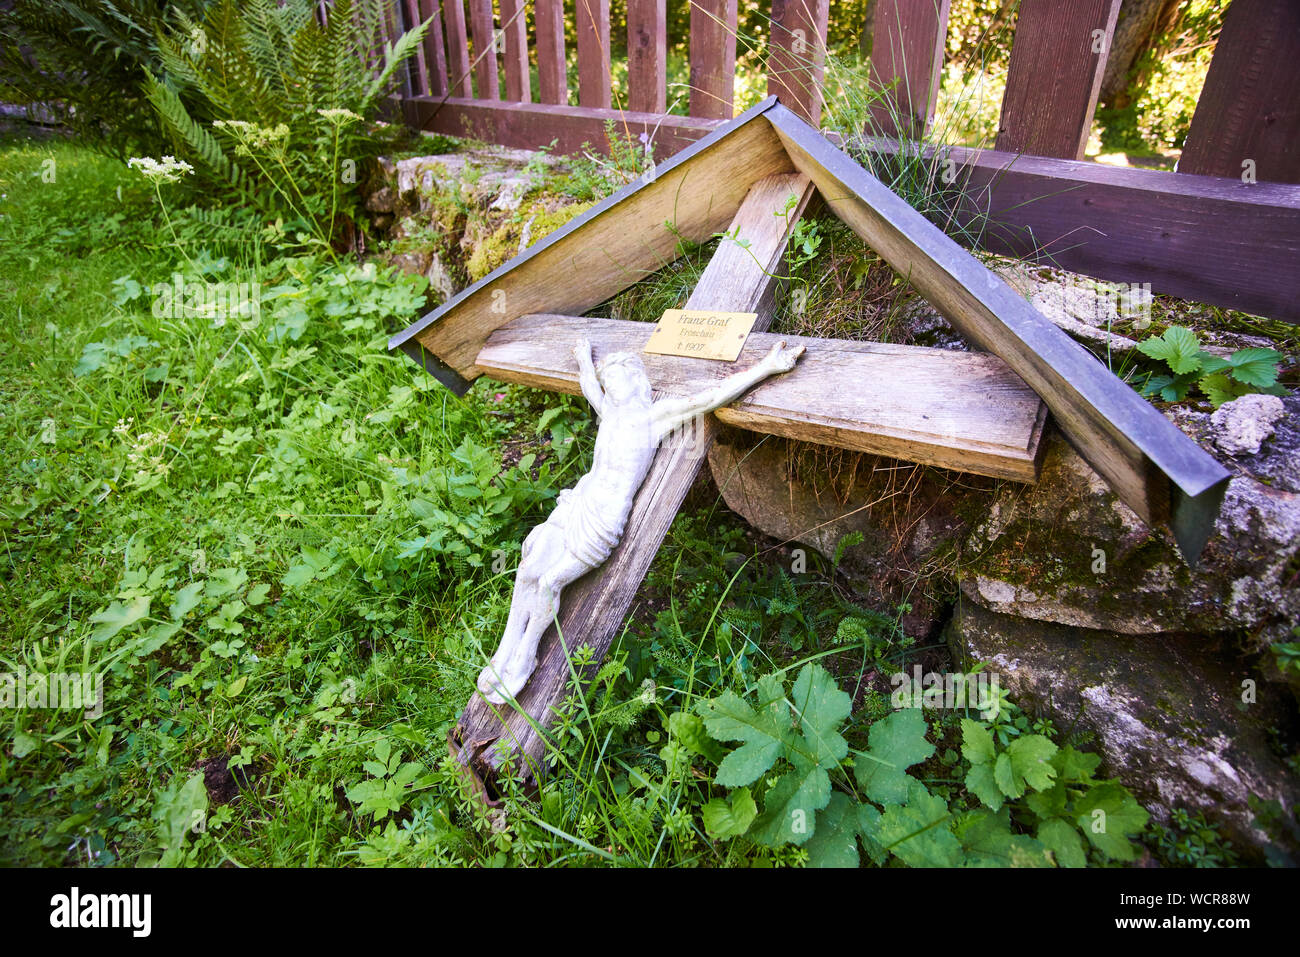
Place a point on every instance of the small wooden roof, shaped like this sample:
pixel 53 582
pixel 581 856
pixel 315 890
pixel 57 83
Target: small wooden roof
pixel 1156 469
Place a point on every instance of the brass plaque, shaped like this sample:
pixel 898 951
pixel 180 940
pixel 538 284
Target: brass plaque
pixel 701 333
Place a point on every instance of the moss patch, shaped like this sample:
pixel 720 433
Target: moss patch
pixel 531 222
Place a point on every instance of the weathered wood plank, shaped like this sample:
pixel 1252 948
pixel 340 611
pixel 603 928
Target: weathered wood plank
pixel 1153 467
pixel 593 53
pixel 713 58
pixel 624 239
pixel 514 24
pixel 533 126
pixel 959 410
pixel 552 68
pixel 1249 109
pixel 1199 237
pixel 460 75
pixel 486 78
pixel 417 65
pixel 1057 60
pixel 394 26
pixel 907 47
pixel 796 59
pixel 647 56
pixel 435 50
pixel 593 608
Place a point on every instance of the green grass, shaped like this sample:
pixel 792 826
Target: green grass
pixel 289 553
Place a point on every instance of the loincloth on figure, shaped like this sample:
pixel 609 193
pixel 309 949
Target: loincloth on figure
pixel 590 532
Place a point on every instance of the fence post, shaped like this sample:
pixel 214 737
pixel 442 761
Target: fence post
pixel 514 24
pixel 1057 60
pixel 1247 121
pixel 434 67
pixel 713 58
pixel 647 56
pixel 485 50
pixel 907 47
pixel 453 13
pixel 593 53
pixel 552 71
pixel 796 57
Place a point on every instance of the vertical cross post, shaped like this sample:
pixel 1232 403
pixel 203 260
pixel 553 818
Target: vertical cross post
pixel 741 276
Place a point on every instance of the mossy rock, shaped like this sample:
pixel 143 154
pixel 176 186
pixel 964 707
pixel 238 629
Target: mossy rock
pixel 1066 550
pixel 530 223
pixel 1183 723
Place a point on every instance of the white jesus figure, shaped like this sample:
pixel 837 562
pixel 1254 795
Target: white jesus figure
pixel 588 519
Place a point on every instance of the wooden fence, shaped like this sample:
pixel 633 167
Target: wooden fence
pixel 1224 230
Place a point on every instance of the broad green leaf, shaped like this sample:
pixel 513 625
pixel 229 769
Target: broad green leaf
pixel 154 638
pixel 980 782
pixel 119 615
pixel 1178 348
pixel 790 807
pixel 1254 366
pixel 835 842
pixel 897 741
pixel 1004 775
pixel 1031 756
pixel 821 708
pixel 236 687
pixel 1063 840
pixel 868 827
pixel 688 730
pixel 1219 388
pixel 1074 767
pixel 226 581
pixel 976 742
pixel 1108 815
pixel 25 744
pixel 1049 803
pixel 186 600
pixel 227 618
pixel 988 842
pixel 919 832
pixel 725 819
pixel 178 810
pixel 730 718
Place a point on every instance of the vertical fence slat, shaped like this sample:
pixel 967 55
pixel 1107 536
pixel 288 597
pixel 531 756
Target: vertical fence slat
pixel 420 65
pixel 907 46
pixel 435 56
pixel 1250 105
pixel 647 55
pixel 593 53
pixel 713 58
pixel 453 12
pixel 1057 60
pixel 796 58
pixel 485 50
pixel 552 68
pixel 394 25
pixel 514 24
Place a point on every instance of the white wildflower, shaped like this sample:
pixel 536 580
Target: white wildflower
pixel 340 116
pixel 167 170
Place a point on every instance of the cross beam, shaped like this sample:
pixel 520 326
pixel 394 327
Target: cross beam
pixel 959 410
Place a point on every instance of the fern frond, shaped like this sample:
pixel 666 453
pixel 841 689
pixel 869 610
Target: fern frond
pixel 199 140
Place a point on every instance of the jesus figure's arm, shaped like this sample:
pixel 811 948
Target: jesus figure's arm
pixel 669 414
pixel 587 375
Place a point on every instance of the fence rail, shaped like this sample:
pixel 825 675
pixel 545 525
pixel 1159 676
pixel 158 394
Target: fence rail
pixel 1225 229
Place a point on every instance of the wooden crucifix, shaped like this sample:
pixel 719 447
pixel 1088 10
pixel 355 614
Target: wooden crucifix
pixel 751 180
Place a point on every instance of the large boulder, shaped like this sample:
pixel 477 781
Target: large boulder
pixel 1067 551
pixel 1178 720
